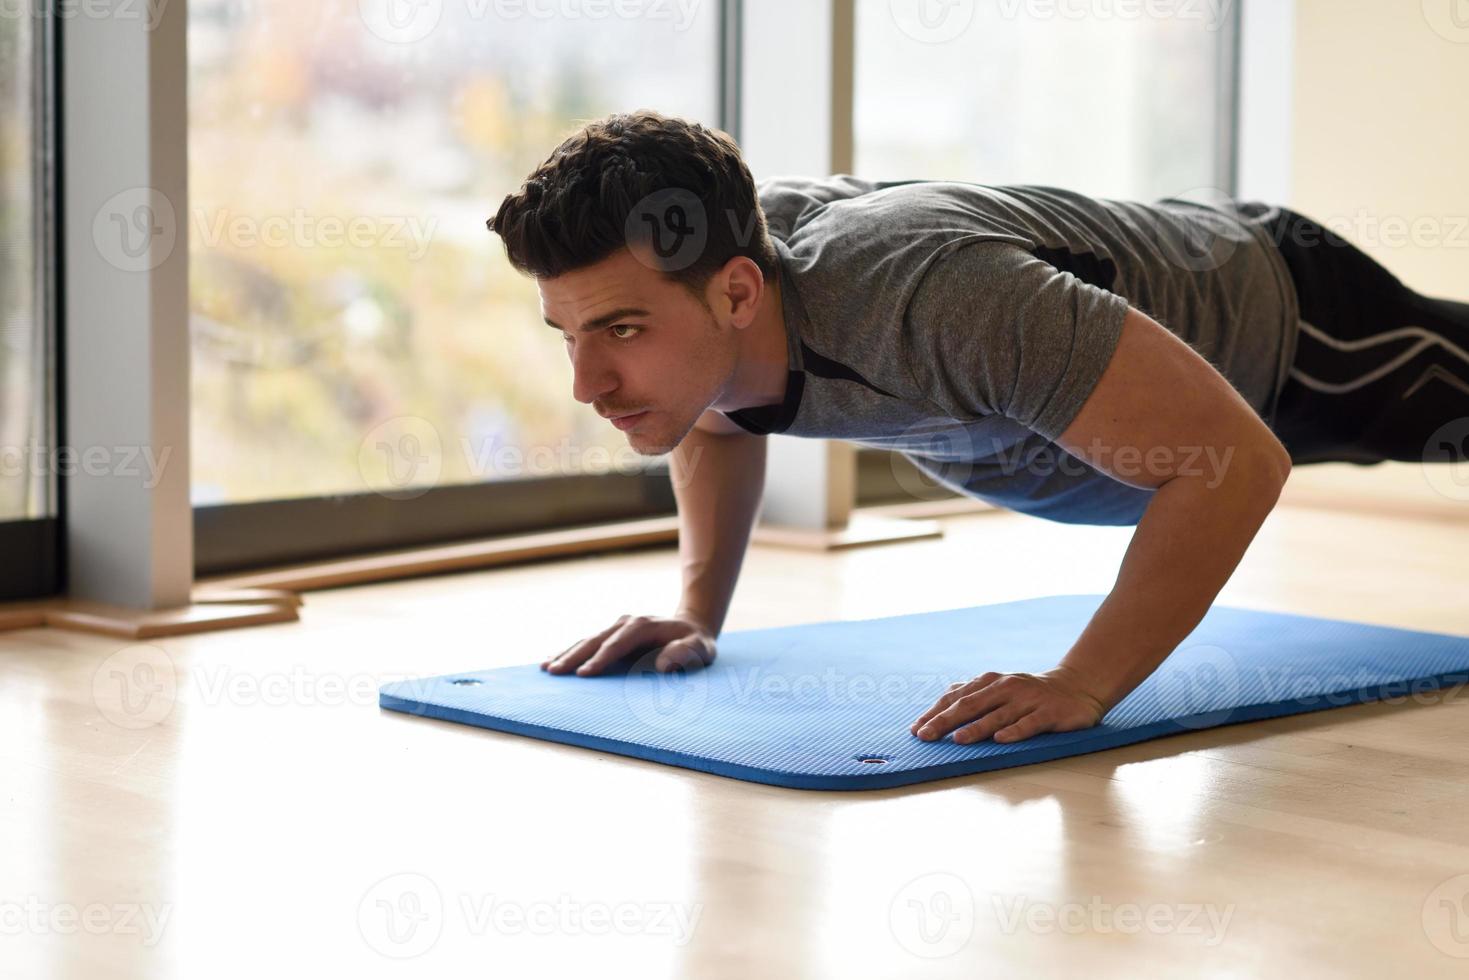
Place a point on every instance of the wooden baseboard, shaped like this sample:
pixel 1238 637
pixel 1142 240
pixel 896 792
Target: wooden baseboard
pixel 205 614
pixel 862 529
pixel 946 507
pixel 272 595
pixel 453 557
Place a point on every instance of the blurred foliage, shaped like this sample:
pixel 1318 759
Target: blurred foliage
pixel 303 351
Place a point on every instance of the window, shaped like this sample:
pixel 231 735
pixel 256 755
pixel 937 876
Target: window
pixel 355 326
pixel 27 386
pixel 358 338
pixel 1078 96
pixel 1108 104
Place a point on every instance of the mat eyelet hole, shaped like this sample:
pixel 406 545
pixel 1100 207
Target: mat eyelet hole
pixel 871 759
pixel 466 681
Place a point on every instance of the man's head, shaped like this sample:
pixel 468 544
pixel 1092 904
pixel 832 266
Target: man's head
pixel 642 212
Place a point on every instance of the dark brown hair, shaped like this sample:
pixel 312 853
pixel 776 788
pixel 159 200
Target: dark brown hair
pixel 638 177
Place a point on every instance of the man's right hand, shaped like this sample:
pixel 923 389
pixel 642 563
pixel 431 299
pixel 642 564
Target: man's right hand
pixel 680 642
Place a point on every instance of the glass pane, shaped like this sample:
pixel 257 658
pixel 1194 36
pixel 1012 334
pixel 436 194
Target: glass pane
pixel 355 326
pixel 1032 93
pixel 25 482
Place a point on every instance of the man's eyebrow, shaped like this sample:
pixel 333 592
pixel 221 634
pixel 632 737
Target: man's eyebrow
pixel 605 320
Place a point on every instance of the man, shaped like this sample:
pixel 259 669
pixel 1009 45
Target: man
pixel 1083 360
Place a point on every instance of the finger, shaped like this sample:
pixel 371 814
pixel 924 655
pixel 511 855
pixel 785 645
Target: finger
pixel 636 633
pixel 582 649
pixel 944 702
pixel 966 709
pixel 687 654
pixel 1023 728
pixel 993 722
pixel 954 693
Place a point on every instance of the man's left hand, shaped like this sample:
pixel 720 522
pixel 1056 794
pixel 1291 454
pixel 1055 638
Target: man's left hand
pixel 1010 707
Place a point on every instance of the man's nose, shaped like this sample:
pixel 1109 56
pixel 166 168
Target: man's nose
pixel 590 379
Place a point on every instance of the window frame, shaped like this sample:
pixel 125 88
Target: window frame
pixel 239 537
pixel 35 543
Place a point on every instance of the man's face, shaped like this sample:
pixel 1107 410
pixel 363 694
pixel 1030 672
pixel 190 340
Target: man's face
pixel 664 354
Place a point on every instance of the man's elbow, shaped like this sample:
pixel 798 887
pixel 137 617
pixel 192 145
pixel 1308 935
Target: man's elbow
pixel 1265 464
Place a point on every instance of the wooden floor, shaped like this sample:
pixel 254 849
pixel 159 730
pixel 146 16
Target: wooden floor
pixel 236 804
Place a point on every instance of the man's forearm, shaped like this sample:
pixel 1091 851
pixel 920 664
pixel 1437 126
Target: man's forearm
pixel 717 481
pixel 1187 544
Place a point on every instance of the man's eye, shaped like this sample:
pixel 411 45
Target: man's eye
pixel 624 326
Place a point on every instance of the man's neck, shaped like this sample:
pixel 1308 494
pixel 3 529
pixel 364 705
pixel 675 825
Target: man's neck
pixel 760 376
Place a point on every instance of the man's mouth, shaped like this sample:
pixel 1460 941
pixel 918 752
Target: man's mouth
pixel 628 421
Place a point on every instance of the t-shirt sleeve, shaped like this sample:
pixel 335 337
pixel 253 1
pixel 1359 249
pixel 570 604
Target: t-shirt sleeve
pixel 992 329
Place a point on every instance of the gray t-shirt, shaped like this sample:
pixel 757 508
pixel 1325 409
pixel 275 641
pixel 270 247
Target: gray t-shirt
pixel 964 325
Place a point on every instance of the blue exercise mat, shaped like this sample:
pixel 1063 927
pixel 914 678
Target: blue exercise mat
pixel 829 705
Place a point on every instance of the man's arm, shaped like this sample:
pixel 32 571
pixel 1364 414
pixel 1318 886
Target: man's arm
pixel 1161 418
pixel 718 475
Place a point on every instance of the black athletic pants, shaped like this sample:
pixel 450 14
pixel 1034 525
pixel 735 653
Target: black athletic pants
pixel 1380 372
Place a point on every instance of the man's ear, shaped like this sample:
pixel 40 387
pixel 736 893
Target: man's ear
pixel 742 286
